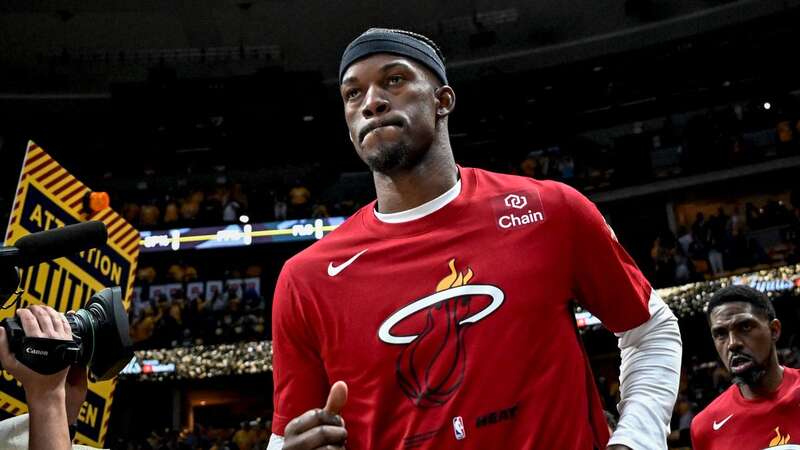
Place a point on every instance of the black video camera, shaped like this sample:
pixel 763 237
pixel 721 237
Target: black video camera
pixel 100 339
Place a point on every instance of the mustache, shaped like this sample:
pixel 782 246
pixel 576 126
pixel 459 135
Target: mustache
pixel 377 124
pixel 739 355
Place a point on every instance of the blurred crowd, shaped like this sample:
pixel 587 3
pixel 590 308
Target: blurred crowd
pixel 223 203
pixel 225 317
pixel 249 435
pixel 234 313
pixel 743 239
pixel 680 144
pixel 713 139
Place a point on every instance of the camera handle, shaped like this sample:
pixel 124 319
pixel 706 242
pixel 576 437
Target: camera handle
pixel 43 355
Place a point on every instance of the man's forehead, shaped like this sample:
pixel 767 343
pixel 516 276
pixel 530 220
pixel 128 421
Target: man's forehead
pixel 377 61
pixel 732 311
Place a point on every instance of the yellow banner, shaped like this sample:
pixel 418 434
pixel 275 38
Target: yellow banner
pixel 50 197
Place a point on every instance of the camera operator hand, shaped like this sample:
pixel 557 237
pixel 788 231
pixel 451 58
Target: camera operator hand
pixel 45 394
pixel 77 386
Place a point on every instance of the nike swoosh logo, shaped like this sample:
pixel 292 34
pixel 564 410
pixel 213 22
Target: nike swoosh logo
pixel 719 425
pixel 335 270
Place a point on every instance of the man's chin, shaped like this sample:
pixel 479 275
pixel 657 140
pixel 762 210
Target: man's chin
pixel 387 158
pixel 750 377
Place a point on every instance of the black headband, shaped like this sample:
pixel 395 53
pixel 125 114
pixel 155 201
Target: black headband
pixel 374 42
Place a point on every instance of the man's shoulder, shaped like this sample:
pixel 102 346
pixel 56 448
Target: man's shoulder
pixel 508 179
pixel 793 373
pixel 716 411
pixel 489 182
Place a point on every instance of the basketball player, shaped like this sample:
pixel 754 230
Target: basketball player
pixel 762 408
pixel 438 317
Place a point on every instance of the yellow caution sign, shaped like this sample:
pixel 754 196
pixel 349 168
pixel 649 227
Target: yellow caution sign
pixel 50 197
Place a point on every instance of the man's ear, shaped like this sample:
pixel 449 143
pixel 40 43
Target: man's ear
pixel 445 101
pixel 775 329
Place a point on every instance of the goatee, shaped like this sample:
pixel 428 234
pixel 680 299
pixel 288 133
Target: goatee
pixel 389 158
pixel 751 377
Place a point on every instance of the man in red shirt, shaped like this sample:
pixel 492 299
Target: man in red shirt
pixel 445 305
pixel 762 408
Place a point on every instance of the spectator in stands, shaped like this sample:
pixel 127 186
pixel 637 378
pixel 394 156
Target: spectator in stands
pixel 245 437
pixel 299 198
pixel 166 326
pixel 752 216
pixel 682 419
pixel 662 254
pixel 211 207
pixel 149 216
pixel 131 211
pixel 176 308
pixel 737 223
pixel 566 168
pixel 190 207
pixel 319 211
pixel 219 303
pixel 235 203
pixel 142 327
pixel 683 268
pixel 700 228
pixel 685 239
pixel 171 215
pixel 280 207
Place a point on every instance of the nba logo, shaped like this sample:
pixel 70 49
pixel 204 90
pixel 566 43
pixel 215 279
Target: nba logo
pixel 458 428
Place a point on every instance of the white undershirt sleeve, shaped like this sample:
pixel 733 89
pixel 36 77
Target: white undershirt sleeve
pixel 14 433
pixel 275 442
pixel 649 377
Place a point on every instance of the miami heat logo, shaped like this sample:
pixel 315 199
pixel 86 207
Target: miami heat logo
pixel 431 366
pixel 781 442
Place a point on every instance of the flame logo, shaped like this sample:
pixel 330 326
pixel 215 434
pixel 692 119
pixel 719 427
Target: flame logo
pixel 431 366
pixel 779 439
pixel 455 279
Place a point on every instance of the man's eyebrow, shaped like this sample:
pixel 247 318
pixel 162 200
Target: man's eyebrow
pixel 392 65
pixel 385 68
pixel 348 80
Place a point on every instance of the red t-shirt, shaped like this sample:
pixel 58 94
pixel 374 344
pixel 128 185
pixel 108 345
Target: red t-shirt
pixel 454 330
pixel 734 422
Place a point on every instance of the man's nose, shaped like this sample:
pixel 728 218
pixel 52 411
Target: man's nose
pixel 734 342
pixel 375 103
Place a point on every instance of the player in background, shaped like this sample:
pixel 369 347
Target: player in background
pixel 762 408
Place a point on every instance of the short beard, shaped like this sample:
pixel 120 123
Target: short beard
pixel 752 377
pixel 391 158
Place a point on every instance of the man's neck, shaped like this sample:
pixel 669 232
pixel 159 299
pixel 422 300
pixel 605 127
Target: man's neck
pixel 430 178
pixel 768 384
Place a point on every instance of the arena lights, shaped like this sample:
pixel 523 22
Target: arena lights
pixel 241 358
pixel 238 235
pixel 200 361
pixel 690 299
pixel 767 105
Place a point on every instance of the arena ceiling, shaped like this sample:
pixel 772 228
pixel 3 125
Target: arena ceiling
pixel 105 41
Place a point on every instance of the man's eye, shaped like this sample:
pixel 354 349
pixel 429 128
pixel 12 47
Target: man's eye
pixel 350 94
pixel 395 79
